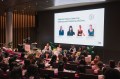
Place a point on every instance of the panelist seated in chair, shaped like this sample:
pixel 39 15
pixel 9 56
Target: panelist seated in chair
pixel 47 48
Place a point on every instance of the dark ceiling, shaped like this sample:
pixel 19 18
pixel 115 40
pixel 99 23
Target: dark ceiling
pixel 31 5
pixel 34 5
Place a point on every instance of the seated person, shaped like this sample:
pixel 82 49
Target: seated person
pixel 47 56
pixel 53 60
pixel 60 66
pixel 118 66
pixel 48 46
pixel 96 60
pixel 59 48
pixel 32 71
pixel 98 69
pixel 111 73
pixel 38 54
pixel 72 49
pixel 82 60
pixel 40 63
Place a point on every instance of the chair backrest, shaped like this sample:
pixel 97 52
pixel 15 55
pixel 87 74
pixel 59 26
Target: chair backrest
pixel 91 76
pixel 89 71
pixel 67 75
pixel 71 67
pixel 87 76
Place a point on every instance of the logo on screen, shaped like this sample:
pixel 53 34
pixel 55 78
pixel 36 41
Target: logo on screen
pixel 91 17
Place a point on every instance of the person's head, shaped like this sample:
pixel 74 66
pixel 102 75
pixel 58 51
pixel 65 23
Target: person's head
pixel 46 54
pixel 54 58
pixel 112 64
pixel 60 27
pixel 65 59
pixel 11 60
pixel 47 44
pixel 12 65
pixel 82 57
pixel 40 63
pixel 70 28
pixel 4 67
pixel 40 60
pixel 16 73
pixel 100 64
pixel 60 56
pixel 32 70
pixel 6 54
pixel 80 27
pixel 111 73
pixel 59 45
pixel 90 26
pixel 97 58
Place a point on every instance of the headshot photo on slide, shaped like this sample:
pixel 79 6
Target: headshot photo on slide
pixel 70 31
pixel 90 30
pixel 80 31
pixel 61 31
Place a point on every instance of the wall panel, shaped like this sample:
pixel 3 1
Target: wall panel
pixel 23 27
pixel 2 29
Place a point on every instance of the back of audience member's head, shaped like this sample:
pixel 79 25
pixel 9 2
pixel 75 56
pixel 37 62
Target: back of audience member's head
pixel 40 63
pixel 65 60
pixel 31 56
pixel 60 56
pixel 82 60
pixel 82 57
pixel 12 65
pixel 53 59
pixel 6 54
pixel 4 66
pixel 16 72
pixel 100 65
pixel 112 64
pixel 81 69
pixel 14 57
pixel 112 74
pixel 11 60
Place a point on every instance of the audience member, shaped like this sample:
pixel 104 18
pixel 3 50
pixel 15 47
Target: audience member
pixel 118 66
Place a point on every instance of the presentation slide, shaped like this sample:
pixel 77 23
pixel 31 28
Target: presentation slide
pixel 85 27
